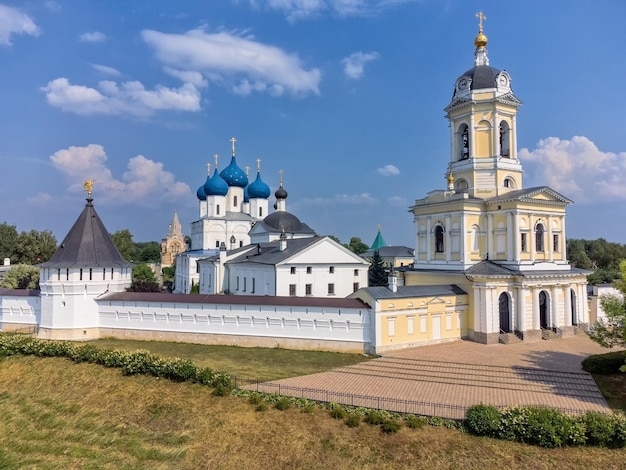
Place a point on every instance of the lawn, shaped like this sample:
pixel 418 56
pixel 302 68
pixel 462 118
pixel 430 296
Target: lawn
pixel 251 363
pixel 60 415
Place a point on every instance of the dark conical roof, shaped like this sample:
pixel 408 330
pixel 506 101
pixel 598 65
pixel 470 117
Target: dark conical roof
pixel 87 244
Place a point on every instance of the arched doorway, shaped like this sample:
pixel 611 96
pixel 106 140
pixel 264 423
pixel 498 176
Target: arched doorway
pixel 544 311
pixel 573 303
pixel 504 307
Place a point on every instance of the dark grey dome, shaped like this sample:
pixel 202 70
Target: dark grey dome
pixel 283 220
pixel 281 193
pixel 482 76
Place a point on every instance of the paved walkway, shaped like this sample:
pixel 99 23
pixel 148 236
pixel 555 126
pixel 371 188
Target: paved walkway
pixel 444 379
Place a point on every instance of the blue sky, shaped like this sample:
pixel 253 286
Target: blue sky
pixel 346 96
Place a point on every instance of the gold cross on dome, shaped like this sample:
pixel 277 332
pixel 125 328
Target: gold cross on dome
pixel 480 17
pixel 258 164
pixel 233 140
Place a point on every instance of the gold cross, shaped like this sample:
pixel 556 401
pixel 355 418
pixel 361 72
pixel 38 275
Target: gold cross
pixel 258 164
pixel 215 156
pixel 233 140
pixel 208 168
pixel 480 17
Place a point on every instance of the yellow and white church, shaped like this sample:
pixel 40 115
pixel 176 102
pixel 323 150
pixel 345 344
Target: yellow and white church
pixel 502 244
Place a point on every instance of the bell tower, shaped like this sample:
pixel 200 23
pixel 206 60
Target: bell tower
pixel 482 117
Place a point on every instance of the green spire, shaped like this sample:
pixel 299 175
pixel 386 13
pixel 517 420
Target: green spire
pixel 379 241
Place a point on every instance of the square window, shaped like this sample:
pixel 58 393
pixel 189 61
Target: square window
pixel 331 269
pixel 356 272
pixel 309 289
pixel 331 289
pixel 524 242
pixel 309 269
pixel 292 290
pixel 217 243
pixel 293 270
pixel 555 243
pixel 355 286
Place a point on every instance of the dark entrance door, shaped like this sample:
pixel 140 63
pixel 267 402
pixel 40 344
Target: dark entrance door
pixel 505 312
pixel 543 310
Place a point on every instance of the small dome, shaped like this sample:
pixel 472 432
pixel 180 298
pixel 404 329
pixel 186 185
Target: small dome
pixel 215 186
pixel 233 175
pixel 258 189
pixel 480 40
pixel 481 76
pixel 283 221
pixel 281 193
pixel 200 194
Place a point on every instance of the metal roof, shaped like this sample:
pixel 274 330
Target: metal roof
pixel 383 292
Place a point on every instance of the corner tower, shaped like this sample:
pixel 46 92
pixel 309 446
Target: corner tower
pixel 482 116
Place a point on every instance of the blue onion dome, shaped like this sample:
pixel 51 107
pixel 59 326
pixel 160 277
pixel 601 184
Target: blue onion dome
pixel 215 186
pixel 258 188
pixel 201 195
pixel 233 175
pixel 246 195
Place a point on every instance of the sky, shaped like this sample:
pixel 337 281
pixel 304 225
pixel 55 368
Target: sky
pixel 345 96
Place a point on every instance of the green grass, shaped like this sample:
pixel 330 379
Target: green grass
pixel 61 415
pixel 613 389
pixel 250 363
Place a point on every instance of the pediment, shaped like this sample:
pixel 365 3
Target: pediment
pixel 543 194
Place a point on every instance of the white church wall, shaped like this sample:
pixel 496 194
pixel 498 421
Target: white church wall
pixel 18 311
pixel 298 327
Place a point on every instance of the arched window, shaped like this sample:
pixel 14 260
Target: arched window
pixel 464 142
pixel 509 183
pixel 505 139
pixel 260 212
pixel 439 239
pixel 461 186
pixel 235 201
pixel 539 235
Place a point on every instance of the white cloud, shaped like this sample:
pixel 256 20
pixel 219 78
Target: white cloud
pixel 126 98
pixel 93 36
pixel 578 169
pixel 347 199
pixel 303 9
pixel 39 199
pixel 354 64
pixel 14 21
pixel 397 201
pixel 106 70
pixel 388 170
pixel 230 59
pixel 187 76
pixel 145 181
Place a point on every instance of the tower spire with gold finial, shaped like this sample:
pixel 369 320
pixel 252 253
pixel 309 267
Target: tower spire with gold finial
pixel 88 187
pixel 480 41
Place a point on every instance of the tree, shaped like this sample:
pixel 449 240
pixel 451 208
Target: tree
pixel 377 274
pixel 612 332
pixel 21 276
pixel 357 246
pixel 148 252
pixel 123 240
pixel 169 272
pixel 34 247
pixel 144 280
pixel 8 237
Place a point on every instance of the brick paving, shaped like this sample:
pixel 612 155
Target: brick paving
pixel 444 379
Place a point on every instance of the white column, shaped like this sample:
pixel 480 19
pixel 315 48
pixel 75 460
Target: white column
pixel 516 237
pixel 465 250
pixel 490 235
pixel 567 295
pixel 582 307
pixel 429 248
pixel 478 309
pixel 531 237
pixel 448 245
pixel 472 137
pixel 536 319
pixel 492 311
pixel 453 142
pixel 521 313
pixel 513 131
pixel 550 240
pixel 563 241
pixel 509 236
pixel 554 307
pixel 416 221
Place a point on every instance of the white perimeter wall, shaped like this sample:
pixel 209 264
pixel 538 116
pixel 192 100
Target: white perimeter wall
pixel 19 310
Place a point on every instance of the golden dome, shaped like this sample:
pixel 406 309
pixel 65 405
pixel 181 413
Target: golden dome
pixel 480 40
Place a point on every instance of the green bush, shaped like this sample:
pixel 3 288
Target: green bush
pixel 513 425
pixel 337 412
pixel 608 363
pixel 308 407
pixel 483 420
pixel 435 421
pixel 619 438
pixel 548 427
pixel 374 417
pixel 389 426
pixel 415 422
pixel 283 403
pixel 353 421
pixel 255 399
pixel 599 428
pixel 261 407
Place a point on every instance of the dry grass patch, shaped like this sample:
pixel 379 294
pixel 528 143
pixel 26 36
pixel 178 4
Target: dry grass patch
pixel 57 414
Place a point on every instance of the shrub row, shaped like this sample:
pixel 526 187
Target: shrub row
pixel 547 427
pixel 608 363
pixel 130 362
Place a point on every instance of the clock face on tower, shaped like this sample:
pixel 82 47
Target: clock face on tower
pixel 503 80
pixel 463 84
